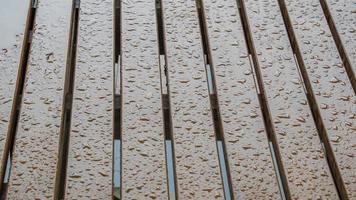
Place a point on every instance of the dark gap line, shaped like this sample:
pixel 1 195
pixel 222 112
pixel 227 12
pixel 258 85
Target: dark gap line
pixel 117 18
pixel 273 144
pixel 214 104
pixel 166 115
pixel 16 106
pixel 166 107
pixel 334 169
pixel 61 173
pixel 340 47
pixel 159 19
pixel 117 163
pixel 117 64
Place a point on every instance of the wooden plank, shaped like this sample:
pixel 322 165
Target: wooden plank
pixel 13 17
pixel 245 136
pixel 36 147
pixel 333 92
pixel 143 150
pixel 90 154
pixel 196 158
pixel 302 154
pixel 343 13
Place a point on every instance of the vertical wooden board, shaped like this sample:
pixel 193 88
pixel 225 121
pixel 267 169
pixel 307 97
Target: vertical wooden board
pixel 196 158
pixel 302 154
pixel 89 170
pixel 143 150
pixel 343 13
pixel 246 139
pixel 332 89
pixel 13 15
pixel 36 146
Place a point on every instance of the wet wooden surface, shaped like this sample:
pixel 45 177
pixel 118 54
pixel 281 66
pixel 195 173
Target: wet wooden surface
pixel 296 51
pixel 244 132
pixel 343 13
pixel 11 42
pixel 90 156
pixel 303 158
pixel 36 147
pixel 197 164
pixel 332 89
pixel 143 151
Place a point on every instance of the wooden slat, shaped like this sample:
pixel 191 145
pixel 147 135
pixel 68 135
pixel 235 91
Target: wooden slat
pixel 332 89
pixel 143 151
pixel 89 171
pixel 246 139
pixel 36 147
pixel 196 158
pixel 343 13
pixel 302 154
pixel 13 15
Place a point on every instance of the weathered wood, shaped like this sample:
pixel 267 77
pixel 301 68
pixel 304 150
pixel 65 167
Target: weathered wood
pixel 143 151
pixel 36 147
pixel 244 133
pixel 13 17
pixel 90 154
pixel 196 158
pixel 302 154
pixel 333 92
